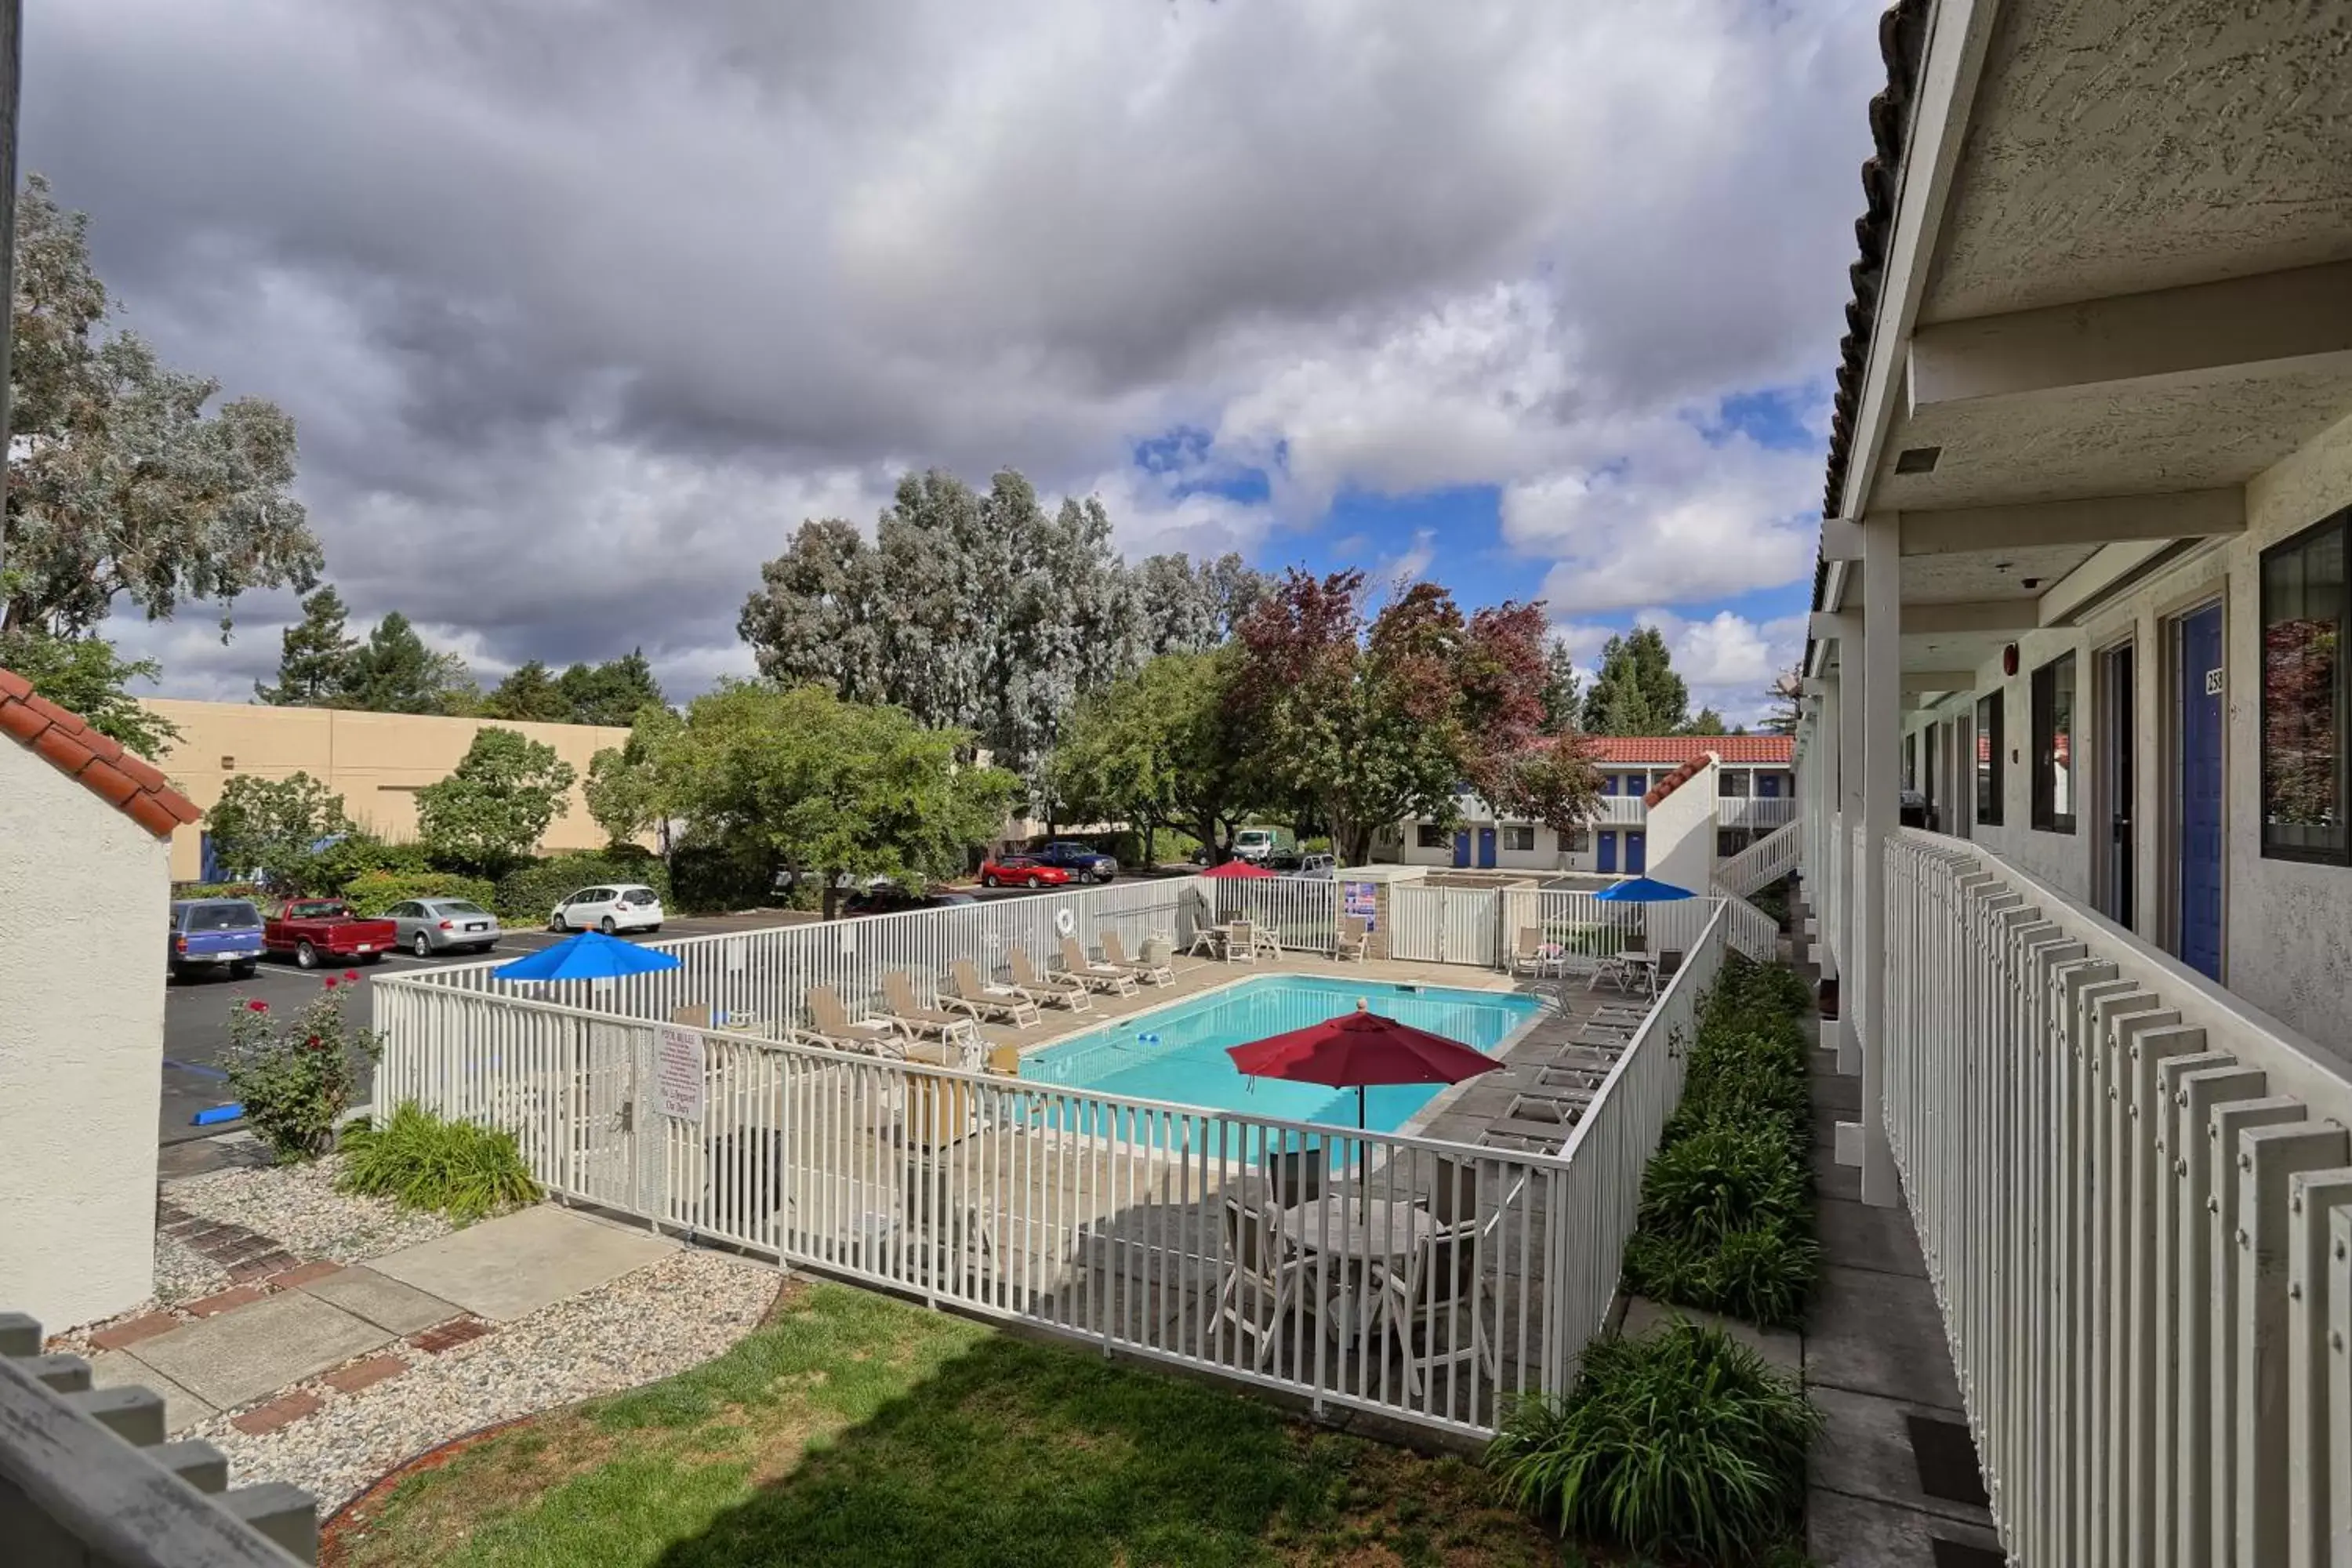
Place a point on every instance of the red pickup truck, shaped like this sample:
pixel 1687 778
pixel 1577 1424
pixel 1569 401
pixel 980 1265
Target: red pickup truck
pixel 314 930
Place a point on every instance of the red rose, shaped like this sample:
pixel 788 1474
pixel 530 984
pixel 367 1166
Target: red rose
pixel 351 974
pixel 257 1006
pixel 315 1044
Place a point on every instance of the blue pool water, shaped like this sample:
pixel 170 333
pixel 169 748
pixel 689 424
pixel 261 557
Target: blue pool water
pixel 1177 1052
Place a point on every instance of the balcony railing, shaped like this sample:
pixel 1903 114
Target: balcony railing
pixel 2132 1192
pixel 1617 809
pixel 1763 811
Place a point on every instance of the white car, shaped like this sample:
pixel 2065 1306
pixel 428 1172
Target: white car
pixel 624 906
pixel 1254 844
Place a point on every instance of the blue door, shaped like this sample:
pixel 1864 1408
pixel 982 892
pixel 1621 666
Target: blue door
pixel 1462 846
pixel 1487 849
pixel 1607 843
pixel 1768 785
pixel 1637 851
pixel 2197 686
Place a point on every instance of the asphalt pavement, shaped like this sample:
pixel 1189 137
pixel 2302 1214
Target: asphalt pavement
pixel 196 1011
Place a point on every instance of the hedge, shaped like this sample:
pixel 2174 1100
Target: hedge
pixel 529 892
pixel 373 892
pixel 219 890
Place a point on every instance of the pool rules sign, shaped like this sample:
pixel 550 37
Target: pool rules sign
pixel 678 1072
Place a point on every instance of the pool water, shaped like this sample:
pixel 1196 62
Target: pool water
pixel 1177 1052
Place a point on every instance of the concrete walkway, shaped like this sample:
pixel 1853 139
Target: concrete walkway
pixel 251 1348
pixel 1895 1476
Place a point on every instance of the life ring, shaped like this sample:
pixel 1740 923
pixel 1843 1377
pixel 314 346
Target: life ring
pixel 1064 922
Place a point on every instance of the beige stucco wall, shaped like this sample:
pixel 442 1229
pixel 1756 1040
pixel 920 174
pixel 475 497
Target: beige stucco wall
pixel 1681 830
pixel 2287 925
pixel 81 1045
pixel 376 761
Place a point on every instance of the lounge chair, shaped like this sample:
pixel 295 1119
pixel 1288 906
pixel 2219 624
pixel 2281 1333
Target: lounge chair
pixel 987 1000
pixel 1115 952
pixel 830 1024
pixel 925 1023
pixel 1529 957
pixel 1062 990
pixel 1347 941
pixel 1096 976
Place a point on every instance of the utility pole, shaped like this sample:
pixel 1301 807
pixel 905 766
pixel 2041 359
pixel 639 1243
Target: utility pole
pixel 12 36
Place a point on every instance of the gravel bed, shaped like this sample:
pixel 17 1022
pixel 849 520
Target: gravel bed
pixel 661 1319
pixel 298 1206
pixel 183 1274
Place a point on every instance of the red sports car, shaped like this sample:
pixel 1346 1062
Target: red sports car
pixel 1019 871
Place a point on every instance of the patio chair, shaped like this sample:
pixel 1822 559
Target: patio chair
pixel 1670 963
pixel 1529 958
pixel 1347 941
pixel 1261 1273
pixel 1107 977
pixel 1115 954
pixel 830 1024
pixel 1445 1294
pixel 927 1023
pixel 1295 1176
pixel 1062 990
pixel 1241 943
pixel 984 999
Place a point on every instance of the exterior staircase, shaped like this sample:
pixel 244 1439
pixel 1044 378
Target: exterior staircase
pixel 1762 864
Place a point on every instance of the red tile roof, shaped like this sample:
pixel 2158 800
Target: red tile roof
pixel 1679 777
pixel 127 782
pixel 1768 750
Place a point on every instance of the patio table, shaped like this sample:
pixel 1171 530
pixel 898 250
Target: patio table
pixel 1365 1244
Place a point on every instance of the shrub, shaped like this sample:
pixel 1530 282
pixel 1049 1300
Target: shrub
pixel 1682 1442
pixel 529 892
pixel 359 853
pixel 373 892
pixel 218 890
pixel 703 877
pixel 295 1078
pixel 464 1171
pixel 1720 1179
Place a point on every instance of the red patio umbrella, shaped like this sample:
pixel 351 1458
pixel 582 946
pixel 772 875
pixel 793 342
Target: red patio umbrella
pixel 1238 871
pixel 1358 1049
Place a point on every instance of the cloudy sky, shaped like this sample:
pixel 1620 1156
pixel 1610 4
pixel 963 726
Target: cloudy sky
pixel 581 305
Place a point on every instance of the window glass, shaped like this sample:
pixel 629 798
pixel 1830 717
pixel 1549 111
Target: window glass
pixel 460 907
pixel 1575 841
pixel 1433 836
pixel 2304 815
pixel 1731 782
pixel 1518 836
pixel 223 917
pixel 2055 779
pixel 1989 755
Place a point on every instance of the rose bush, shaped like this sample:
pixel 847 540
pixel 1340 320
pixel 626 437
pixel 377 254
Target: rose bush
pixel 295 1075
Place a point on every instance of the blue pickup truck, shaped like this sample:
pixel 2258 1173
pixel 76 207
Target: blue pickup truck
pixel 214 933
pixel 1082 861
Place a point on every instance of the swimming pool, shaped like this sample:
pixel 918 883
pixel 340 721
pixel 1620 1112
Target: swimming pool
pixel 1177 1052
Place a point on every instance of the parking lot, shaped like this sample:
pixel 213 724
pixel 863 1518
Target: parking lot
pixel 196 1011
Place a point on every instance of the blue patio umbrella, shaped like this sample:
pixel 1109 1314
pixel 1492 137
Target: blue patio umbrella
pixel 1642 890
pixel 591 956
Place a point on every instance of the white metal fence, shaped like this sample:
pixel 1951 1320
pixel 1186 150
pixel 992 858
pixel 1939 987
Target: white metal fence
pixel 2135 1197
pixel 1431 1283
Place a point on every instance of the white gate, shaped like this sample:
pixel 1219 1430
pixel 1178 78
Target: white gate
pixel 1447 925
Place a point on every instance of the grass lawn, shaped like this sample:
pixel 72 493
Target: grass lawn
pixel 856 1429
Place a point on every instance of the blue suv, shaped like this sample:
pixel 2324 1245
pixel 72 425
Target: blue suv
pixel 1081 860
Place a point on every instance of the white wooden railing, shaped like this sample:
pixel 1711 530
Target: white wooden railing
pixel 1762 863
pixel 1096 1217
pixel 1754 811
pixel 2134 1197
pixel 1751 932
pixel 1619 810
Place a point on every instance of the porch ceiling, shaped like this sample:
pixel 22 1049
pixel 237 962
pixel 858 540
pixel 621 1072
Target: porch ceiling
pixel 2116 149
pixel 1989 575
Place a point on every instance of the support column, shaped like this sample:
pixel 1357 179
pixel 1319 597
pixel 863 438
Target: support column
pixel 1882 703
pixel 1854 977
pixel 1824 805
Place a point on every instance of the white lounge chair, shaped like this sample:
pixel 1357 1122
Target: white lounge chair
pixel 830 1024
pixel 1347 941
pixel 1115 952
pixel 1062 990
pixel 929 1023
pixel 1107 977
pixel 985 999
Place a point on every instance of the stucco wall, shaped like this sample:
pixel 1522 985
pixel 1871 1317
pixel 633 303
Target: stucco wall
pixel 376 761
pixel 2287 926
pixel 1681 833
pixel 81 1045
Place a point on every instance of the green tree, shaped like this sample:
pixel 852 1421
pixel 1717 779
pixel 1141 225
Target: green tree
pixel 801 781
pixel 85 675
pixel 394 672
pixel 314 659
pixel 612 693
pixel 121 484
pixel 495 808
pixel 1636 691
pixel 1160 748
pixel 1785 697
pixel 624 795
pixel 529 695
pixel 1706 722
pixel 1562 703
pixel 275 827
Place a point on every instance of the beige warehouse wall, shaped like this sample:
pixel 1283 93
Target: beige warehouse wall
pixel 376 761
pixel 81 1046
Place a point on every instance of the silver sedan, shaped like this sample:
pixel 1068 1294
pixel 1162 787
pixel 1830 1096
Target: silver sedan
pixel 429 926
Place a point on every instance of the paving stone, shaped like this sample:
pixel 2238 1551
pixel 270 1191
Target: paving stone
pixel 507 1267
pixel 1780 1347
pixel 366 1374
pixel 1844 1532
pixel 145 1327
pixel 120 1369
pixel 239 1356
pixel 212 1306
pixel 305 1273
pixel 450 1335
pixel 260 1267
pixel 386 1302
pixel 1865 1450
pixel 1856 1235
pixel 263 1419
pixel 1880 1334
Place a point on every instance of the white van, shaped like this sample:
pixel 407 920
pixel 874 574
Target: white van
pixel 1254 844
